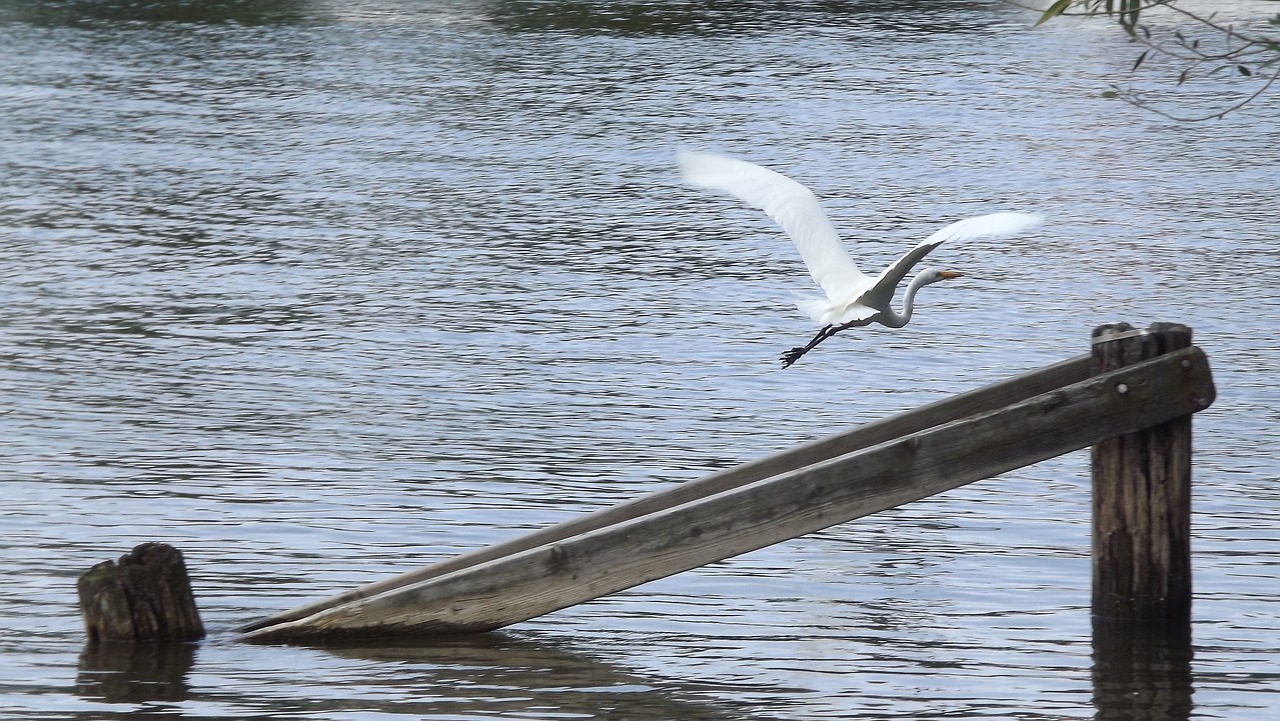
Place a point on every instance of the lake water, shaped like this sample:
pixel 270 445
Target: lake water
pixel 320 292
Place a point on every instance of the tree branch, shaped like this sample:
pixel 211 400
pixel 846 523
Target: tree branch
pixel 1249 54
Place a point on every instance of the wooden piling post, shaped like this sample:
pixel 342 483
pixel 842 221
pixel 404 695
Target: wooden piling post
pixel 145 597
pixel 1142 497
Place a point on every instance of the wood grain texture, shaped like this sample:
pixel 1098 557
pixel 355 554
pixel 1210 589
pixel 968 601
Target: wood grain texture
pixel 569 571
pixel 947 410
pixel 145 597
pixel 1142 498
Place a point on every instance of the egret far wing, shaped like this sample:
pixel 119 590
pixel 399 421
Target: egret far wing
pixel 791 205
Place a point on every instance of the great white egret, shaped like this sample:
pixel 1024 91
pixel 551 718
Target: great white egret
pixel 852 298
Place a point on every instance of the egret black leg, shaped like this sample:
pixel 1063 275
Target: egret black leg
pixel 794 354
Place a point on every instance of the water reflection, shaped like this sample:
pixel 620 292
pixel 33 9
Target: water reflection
pixel 506 669
pixel 424 679
pixel 73 12
pixel 135 673
pixel 1141 673
pixel 691 17
pixel 709 17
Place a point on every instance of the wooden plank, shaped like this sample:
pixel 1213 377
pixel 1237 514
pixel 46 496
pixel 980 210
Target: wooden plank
pixel 1142 498
pixel 564 573
pixel 934 414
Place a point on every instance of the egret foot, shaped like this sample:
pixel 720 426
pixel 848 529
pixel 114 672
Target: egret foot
pixel 793 355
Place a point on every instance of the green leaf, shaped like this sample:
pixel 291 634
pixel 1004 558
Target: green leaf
pixel 1129 13
pixel 1138 62
pixel 1244 70
pixel 1110 94
pixel 1053 11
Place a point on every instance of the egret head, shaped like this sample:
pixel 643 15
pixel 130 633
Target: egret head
pixel 933 275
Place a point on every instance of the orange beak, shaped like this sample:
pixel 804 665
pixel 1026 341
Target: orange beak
pixel 948 274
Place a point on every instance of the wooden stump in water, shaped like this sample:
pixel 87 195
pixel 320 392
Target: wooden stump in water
pixel 1142 497
pixel 145 597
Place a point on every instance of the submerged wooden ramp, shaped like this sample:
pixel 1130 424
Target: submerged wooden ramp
pixel 882 465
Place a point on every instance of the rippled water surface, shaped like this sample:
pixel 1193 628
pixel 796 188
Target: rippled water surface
pixel 320 292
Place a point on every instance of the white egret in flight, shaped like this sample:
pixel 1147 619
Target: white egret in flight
pixel 852 298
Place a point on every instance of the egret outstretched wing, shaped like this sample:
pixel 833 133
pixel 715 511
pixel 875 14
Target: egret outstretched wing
pixel 995 225
pixel 790 205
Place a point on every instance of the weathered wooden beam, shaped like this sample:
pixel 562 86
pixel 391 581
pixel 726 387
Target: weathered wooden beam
pixel 1142 497
pixel 145 597
pixel 934 414
pixel 567 572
